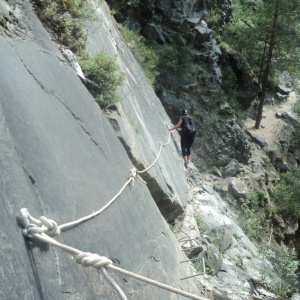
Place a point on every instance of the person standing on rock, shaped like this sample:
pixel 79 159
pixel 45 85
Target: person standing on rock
pixel 187 132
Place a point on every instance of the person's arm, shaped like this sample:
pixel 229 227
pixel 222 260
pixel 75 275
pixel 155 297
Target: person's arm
pixel 177 125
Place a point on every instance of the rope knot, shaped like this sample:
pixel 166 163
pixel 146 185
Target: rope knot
pixel 50 226
pixel 133 173
pixel 87 259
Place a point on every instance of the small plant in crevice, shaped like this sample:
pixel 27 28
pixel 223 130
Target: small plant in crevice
pixel 103 70
pixel 135 125
pixel 200 224
pixel 198 265
pixel 171 226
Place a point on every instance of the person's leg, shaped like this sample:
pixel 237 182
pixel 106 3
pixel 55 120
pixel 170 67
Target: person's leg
pixel 188 148
pixel 183 143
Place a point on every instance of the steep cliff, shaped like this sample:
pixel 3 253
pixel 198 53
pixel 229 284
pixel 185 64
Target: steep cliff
pixel 61 158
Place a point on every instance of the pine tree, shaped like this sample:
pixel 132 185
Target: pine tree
pixel 268 36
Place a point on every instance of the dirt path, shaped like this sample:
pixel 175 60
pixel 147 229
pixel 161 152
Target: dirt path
pixel 271 126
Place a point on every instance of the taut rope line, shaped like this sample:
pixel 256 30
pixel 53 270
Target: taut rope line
pixel 43 228
pixel 133 173
pixel 160 147
pixel 100 263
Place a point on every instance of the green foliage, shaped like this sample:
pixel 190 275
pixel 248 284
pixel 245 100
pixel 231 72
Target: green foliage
pixel 103 70
pixel 295 137
pixel 171 226
pixel 135 3
pixel 64 18
pixel 143 51
pixel 137 127
pixel 212 18
pixel 287 194
pixel 200 224
pixel 285 264
pixel 216 121
pixel 210 271
pixel 179 60
pixel 250 220
pixel 249 31
pixel 198 265
pixel 160 60
pixel 70 32
pixel 236 107
pixel 296 106
pixel 254 200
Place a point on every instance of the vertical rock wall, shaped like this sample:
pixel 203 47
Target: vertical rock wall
pixel 60 157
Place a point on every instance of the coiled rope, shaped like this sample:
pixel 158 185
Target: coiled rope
pixel 43 228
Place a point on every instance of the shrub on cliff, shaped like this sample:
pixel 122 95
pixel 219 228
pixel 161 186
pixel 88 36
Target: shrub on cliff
pixel 287 194
pixel 103 70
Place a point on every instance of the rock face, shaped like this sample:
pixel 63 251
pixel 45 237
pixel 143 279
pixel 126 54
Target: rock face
pixel 60 157
pixel 195 86
pixel 140 122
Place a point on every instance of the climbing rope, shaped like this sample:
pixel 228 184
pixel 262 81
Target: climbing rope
pixel 159 151
pixel 133 174
pixel 43 228
pixel 87 259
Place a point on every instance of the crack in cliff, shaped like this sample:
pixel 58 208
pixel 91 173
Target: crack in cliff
pixel 152 254
pixel 169 208
pixel 53 93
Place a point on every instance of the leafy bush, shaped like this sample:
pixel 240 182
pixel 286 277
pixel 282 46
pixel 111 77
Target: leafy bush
pixel 253 200
pixel 296 107
pixel 103 70
pixel 287 194
pixel 143 51
pixel 64 19
pixel 285 265
pixel 200 224
pixel 70 32
pixel 250 220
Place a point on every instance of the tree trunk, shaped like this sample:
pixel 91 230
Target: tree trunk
pixel 268 65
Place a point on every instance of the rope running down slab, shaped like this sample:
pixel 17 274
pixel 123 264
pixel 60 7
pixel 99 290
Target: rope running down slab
pixel 100 262
pixel 43 228
pixel 133 173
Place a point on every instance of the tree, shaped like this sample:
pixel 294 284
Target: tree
pixel 268 66
pixel 271 23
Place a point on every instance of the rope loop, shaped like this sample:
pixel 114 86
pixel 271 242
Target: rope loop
pixel 87 259
pixel 51 226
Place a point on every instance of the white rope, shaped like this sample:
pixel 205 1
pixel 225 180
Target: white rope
pixel 43 228
pixel 101 262
pixel 133 174
pixel 84 258
pixel 160 147
pixel 94 214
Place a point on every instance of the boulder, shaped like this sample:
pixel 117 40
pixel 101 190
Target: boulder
pixel 237 188
pixel 232 169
